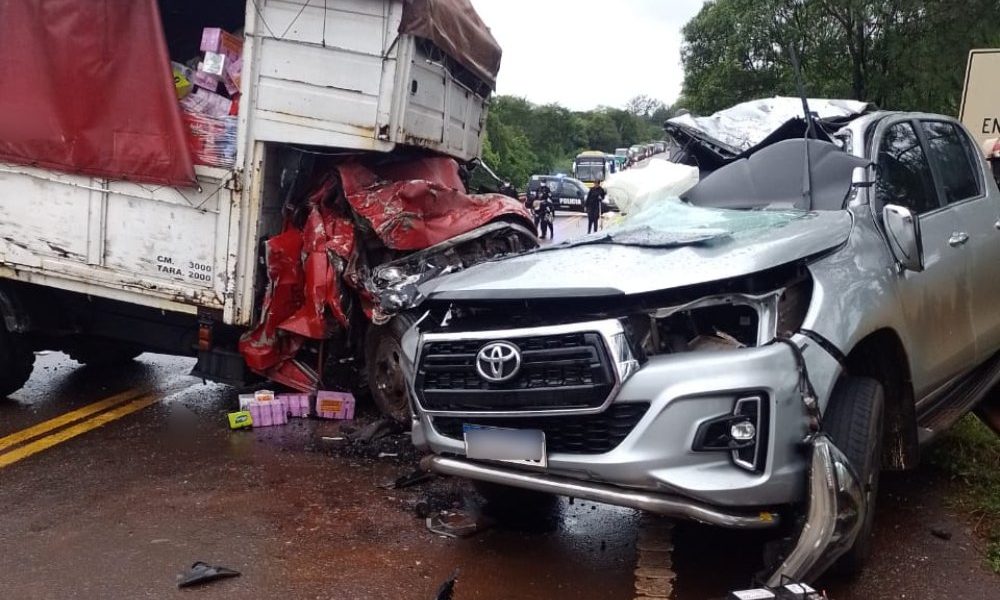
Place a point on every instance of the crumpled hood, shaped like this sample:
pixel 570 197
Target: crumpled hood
pixel 609 269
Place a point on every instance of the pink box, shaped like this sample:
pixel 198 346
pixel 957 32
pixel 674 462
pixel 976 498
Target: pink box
pixel 298 404
pixel 205 80
pixel 335 405
pixel 266 414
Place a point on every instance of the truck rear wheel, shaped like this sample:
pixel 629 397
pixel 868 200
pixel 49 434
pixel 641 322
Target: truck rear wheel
pixel 16 362
pixel 383 362
pixel 854 422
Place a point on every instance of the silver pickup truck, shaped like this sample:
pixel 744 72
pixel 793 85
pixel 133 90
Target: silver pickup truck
pixel 749 355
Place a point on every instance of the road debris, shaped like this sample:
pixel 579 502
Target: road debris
pixel 408 480
pixel 941 533
pixel 447 589
pixel 202 572
pixel 457 523
pixel 374 431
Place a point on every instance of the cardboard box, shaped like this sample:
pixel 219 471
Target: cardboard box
pixel 298 404
pixel 204 102
pixel 182 79
pixel 214 63
pixel 240 419
pixel 205 80
pixel 335 405
pixel 214 39
pixel 267 414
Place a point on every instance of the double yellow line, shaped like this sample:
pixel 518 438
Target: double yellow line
pixel 27 442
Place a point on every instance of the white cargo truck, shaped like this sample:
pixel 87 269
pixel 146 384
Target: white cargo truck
pixel 105 269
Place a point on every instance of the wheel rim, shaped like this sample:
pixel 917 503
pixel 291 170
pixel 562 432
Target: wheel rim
pixel 389 384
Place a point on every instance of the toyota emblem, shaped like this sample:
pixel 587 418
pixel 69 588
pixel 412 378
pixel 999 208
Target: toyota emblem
pixel 497 362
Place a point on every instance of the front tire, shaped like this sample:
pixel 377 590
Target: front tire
pixel 854 422
pixel 383 364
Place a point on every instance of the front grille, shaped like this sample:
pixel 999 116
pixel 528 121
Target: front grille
pixel 557 372
pixel 571 434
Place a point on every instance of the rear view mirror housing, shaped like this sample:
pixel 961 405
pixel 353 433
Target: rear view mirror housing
pixel 902 229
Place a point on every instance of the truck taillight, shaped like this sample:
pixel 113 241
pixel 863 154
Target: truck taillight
pixel 204 337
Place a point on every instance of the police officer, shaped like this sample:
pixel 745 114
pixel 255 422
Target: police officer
pixel 509 190
pixel 593 205
pixel 542 195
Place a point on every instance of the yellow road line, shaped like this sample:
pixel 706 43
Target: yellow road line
pixel 47 426
pixel 80 428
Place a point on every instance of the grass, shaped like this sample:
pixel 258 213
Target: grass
pixel 970 453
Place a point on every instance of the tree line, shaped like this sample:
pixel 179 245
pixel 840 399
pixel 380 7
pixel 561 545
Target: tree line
pixel 523 139
pixel 897 54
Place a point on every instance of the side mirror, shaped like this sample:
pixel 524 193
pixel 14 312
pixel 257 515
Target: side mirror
pixel 902 228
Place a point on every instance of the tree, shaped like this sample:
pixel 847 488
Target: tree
pixel 898 54
pixel 644 106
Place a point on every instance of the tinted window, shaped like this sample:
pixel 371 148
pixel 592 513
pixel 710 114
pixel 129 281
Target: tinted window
pixel 952 160
pixel 904 173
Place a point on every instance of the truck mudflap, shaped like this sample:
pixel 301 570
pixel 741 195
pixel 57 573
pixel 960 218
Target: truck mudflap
pixel 837 510
pixel 319 267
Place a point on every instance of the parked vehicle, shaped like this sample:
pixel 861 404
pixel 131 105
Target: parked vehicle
pixel 593 166
pixel 639 152
pixel 186 259
pixel 622 155
pixel 568 193
pixel 745 356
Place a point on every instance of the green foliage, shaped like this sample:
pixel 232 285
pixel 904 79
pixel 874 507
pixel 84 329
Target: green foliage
pixel 970 453
pixel 523 139
pixel 898 54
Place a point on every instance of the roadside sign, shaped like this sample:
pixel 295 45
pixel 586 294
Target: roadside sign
pixel 980 111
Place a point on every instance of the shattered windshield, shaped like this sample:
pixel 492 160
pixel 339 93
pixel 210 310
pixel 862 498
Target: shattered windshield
pixel 669 222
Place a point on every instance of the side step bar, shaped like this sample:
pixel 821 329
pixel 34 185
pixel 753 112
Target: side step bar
pixel 671 506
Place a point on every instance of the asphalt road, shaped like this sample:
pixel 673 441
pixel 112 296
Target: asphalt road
pixel 114 481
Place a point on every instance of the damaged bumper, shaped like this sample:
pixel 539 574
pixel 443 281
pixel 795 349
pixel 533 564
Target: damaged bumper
pixel 837 510
pixel 662 504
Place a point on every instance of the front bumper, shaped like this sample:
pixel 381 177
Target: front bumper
pixel 684 391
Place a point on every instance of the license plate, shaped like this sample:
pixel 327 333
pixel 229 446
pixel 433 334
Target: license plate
pixel 570 201
pixel 521 446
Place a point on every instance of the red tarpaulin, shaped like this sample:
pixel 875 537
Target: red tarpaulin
pixel 86 87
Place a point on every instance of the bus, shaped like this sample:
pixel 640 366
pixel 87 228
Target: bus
pixel 592 166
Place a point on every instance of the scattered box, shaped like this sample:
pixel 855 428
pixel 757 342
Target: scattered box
pixel 267 414
pixel 240 419
pixel 335 405
pixel 245 400
pixel 264 396
pixel 298 404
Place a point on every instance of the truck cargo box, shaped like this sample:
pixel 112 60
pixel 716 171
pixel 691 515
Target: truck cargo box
pixel 337 76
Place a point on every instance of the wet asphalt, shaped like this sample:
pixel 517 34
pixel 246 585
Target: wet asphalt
pixel 121 510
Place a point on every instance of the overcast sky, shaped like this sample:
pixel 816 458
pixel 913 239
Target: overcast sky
pixel 573 51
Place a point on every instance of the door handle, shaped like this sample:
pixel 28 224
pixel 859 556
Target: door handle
pixel 958 238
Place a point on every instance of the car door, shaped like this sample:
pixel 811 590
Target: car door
pixel 935 302
pixel 569 195
pixel 962 179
